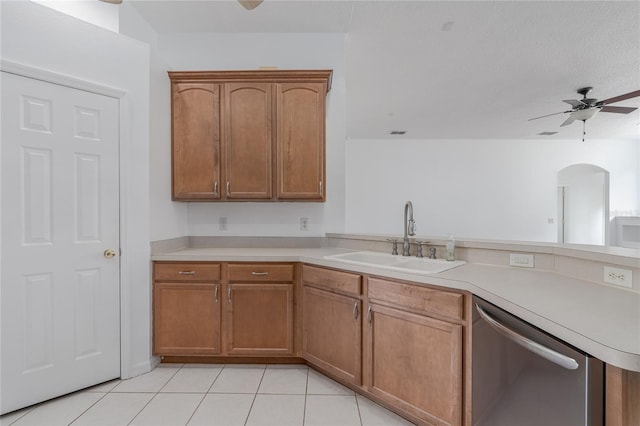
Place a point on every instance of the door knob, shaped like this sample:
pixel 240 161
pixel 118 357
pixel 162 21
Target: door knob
pixel 109 253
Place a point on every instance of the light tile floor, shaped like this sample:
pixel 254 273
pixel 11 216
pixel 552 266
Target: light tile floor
pixel 212 395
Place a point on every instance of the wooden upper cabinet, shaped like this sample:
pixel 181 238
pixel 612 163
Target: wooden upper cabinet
pixel 249 135
pixel 301 140
pixel 196 141
pixel 248 140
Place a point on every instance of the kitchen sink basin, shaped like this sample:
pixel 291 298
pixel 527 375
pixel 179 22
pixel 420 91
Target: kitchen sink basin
pixel 367 257
pixel 414 265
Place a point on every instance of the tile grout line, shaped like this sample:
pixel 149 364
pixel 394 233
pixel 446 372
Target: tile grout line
pixel 154 394
pixel 88 408
pixel 204 395
pixel 358 408
pixel 255 395
pixel 306 389
pixel 30 409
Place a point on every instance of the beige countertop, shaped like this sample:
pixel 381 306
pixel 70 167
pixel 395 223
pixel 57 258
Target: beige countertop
pixel 601 320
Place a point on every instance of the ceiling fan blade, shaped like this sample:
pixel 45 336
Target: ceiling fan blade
pixel 568 121
pixel 549 115
pixel 617 109
pixel 629 95
pixel 574 103
pixel 250 4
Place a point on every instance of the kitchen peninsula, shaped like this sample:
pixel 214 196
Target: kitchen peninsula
pixel 558 296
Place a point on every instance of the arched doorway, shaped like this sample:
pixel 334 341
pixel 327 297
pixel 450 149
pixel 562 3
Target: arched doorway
pixel 583 205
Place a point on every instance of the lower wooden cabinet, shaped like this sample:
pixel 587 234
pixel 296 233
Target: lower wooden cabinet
pixel 400 343
pixel 186 308
pixel 415 363
pixel 332 333
pixel 217 309
pixel 186 318
pixel 260 319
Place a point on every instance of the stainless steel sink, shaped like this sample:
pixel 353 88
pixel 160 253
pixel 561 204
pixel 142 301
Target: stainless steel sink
pixel 397 263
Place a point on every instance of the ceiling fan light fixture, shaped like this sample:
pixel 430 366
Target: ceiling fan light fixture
pixel 250 4
pixel 584 114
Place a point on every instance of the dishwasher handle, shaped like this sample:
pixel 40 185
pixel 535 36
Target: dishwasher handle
pixel 535 347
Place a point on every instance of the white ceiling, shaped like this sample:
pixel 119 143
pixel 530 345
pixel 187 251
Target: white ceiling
pixel 499 64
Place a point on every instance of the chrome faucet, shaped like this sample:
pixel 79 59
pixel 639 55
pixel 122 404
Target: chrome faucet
pixel 409 227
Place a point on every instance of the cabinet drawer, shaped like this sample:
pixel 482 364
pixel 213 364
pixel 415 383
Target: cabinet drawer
pixel 186 271
pixel 429 300
pixel 260 272
pixel 342 282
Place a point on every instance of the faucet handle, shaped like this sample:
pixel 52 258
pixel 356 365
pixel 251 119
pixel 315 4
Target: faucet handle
pixel 419 248
pixel 432 253
pixel 394 247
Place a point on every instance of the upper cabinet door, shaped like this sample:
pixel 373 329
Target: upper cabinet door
pixel 301 141
pixel 196 141
pixel 248 136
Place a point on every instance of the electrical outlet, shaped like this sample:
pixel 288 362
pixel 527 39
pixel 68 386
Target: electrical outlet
pixel 618 276
pixel 521 260
pixel 222 223
pixel 304 223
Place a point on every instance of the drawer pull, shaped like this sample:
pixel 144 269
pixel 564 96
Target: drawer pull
pixel 260 274
pixel 216 292
pixel 229 293
pixel 187 272
pixel 369 315
pixel 355 310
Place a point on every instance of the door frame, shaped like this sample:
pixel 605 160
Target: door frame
pixel 565 192
pixel 124 123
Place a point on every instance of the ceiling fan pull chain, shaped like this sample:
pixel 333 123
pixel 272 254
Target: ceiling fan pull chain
pixel 584 129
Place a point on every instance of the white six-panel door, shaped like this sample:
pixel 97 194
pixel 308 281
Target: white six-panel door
pixel 60 294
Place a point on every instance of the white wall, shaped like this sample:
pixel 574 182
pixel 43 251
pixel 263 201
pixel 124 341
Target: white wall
pixel 167 219
pixel 39 37
pixel 489 189
pixel 249 51
pixel 102 14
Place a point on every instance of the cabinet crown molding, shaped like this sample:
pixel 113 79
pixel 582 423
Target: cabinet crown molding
pixel 267 76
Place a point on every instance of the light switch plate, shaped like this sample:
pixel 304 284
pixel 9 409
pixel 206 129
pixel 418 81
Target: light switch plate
pixel 521 260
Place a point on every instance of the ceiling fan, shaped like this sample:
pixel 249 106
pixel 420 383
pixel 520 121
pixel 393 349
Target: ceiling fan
pixel 585 108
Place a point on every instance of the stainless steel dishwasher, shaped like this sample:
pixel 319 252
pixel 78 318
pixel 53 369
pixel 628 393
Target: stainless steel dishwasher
pixel 522 376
